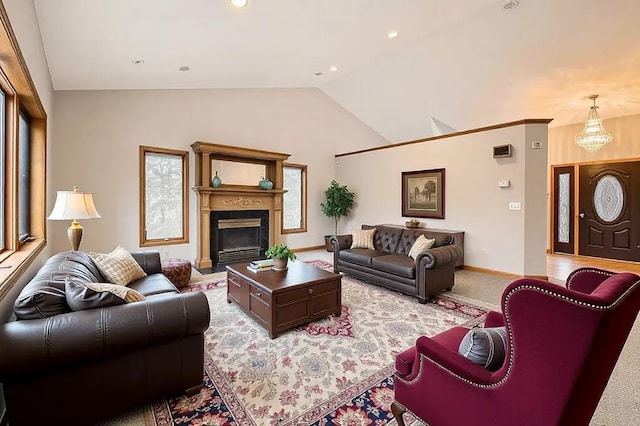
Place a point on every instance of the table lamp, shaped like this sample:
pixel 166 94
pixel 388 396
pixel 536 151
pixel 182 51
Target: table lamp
pixel 74 205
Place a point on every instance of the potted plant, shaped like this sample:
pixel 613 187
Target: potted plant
pixel 280 254
pixel 338 203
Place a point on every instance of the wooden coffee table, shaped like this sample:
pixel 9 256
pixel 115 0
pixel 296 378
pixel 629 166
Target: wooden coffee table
pixel 281 300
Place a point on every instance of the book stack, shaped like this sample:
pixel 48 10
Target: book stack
pixel 260 265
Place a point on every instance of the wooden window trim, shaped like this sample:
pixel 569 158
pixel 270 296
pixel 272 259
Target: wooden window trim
pixel 144 242
pixel 17 83
pixel 303 228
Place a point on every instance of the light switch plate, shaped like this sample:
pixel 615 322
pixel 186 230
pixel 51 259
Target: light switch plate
pixel 536 145
pixel 515 206
pixel 504 183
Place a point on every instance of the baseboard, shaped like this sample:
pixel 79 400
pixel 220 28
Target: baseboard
pixel 310 248
pixel 503 274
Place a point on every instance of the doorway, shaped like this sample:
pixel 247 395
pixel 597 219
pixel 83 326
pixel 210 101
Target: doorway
pixel 599 215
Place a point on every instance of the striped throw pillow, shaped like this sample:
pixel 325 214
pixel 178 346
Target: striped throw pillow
pixel 485 346
pixel 362 238
pixel 119 267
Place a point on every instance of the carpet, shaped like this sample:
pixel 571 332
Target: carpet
pixel 337 371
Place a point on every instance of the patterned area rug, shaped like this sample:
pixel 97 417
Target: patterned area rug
pixel 337 371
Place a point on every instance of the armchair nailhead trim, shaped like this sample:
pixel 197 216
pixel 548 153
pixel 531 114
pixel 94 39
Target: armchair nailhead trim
pixel 509 331
pixel 595 271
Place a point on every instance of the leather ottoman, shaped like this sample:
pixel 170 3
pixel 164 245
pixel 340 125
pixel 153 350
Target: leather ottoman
pixel 178 271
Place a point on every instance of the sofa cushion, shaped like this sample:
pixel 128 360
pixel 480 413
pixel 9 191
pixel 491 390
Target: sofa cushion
pixel 362 238
pixel 387 238
pixel 397 264
pixel 360 256
pixel 421 245
pixel 43 296
pixel 81 296
pixel 119 267
pixel 153 284
pixel 485 346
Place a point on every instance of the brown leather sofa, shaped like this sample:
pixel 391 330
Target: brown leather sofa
pixel 390 266
pixel 85 366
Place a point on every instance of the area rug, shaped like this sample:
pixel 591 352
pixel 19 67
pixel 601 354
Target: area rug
pixel 337 371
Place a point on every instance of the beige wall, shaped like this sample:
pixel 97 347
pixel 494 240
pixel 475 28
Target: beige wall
pixel 495 237
pixel 23 19
pixel 98 134
pixel 625 144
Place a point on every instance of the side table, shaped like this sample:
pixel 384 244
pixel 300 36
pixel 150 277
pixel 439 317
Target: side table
pixel 178 271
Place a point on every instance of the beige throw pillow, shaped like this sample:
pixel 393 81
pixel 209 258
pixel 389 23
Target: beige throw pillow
pixel 119 267
pixel 422 244
pixel 362 238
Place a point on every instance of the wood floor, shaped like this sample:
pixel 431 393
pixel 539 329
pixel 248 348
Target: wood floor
pixel 560 265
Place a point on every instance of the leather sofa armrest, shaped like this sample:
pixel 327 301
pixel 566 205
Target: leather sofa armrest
pixel 149 260
pixel 439 256
pixel 33 346
pixel 341 242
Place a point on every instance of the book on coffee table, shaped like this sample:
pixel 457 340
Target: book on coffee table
pixel 252 269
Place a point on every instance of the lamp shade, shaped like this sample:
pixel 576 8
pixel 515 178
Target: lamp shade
pixel 74 205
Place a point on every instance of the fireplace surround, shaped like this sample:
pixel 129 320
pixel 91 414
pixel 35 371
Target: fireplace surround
pixel 238 236
pixel 235 198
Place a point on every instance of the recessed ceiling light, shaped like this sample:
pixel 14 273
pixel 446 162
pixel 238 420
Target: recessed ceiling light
pixel 334 68
pixel 318 74
pixel 185 68
pixel 239 3
pixel 137 62
pixel 392 34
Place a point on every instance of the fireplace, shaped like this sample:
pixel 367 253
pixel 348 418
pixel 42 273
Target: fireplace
pixel 239 235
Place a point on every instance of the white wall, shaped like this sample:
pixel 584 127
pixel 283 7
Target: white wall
pixel 495 237
pixel 98 134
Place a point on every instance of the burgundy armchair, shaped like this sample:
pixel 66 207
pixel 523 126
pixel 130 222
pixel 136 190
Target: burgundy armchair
pixel 562 345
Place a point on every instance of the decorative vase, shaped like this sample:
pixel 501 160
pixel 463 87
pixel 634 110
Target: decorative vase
pixel 265 183
pixel 215 182
pixel 280 264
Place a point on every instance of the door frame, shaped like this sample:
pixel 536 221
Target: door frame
pixel 576 201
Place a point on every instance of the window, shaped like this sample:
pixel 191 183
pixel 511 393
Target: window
pixel 24 178
pixel 164 197
pixel 295 199
pixel 23 129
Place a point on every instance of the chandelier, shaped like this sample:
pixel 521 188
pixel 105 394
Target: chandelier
pixel 593 136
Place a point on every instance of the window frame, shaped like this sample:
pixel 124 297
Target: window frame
pixel 303 207
pixel 184 155
pixel 20 95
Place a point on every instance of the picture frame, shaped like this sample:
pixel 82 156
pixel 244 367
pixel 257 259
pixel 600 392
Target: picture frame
pixel 423 193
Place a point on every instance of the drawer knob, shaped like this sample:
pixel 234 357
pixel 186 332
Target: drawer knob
pixel 310 290
pixel 258 294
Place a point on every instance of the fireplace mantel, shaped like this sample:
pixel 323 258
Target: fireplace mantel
pixel 235 197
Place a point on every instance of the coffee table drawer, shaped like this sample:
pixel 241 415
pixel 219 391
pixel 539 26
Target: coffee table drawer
pixel 260 304
pixel 238 290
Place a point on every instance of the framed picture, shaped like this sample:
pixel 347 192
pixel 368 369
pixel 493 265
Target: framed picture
pixel 423 193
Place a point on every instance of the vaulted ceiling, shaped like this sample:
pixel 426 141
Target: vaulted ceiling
pixel 454 65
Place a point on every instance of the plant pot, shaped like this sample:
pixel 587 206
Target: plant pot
pixel 280 264
pixel 327 242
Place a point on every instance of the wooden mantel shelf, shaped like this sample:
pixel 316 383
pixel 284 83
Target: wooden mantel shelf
pixel 235 197
pixel 235 189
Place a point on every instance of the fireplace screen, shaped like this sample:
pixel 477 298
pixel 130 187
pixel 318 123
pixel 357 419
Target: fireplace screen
pixel 239 235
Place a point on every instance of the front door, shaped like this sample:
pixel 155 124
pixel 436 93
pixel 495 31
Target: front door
pixel 609 218
pixel 563 209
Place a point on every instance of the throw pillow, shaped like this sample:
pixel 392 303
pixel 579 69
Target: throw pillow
pixel 119 267
pixel 422 244
pixel 81 296
pixel 485 346
pixel 362 238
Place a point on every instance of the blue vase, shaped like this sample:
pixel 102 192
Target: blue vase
pixel 215 182
pixel 266 183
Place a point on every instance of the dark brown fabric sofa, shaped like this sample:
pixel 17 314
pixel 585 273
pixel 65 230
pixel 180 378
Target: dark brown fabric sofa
pixel 85 366
pixel 390 266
